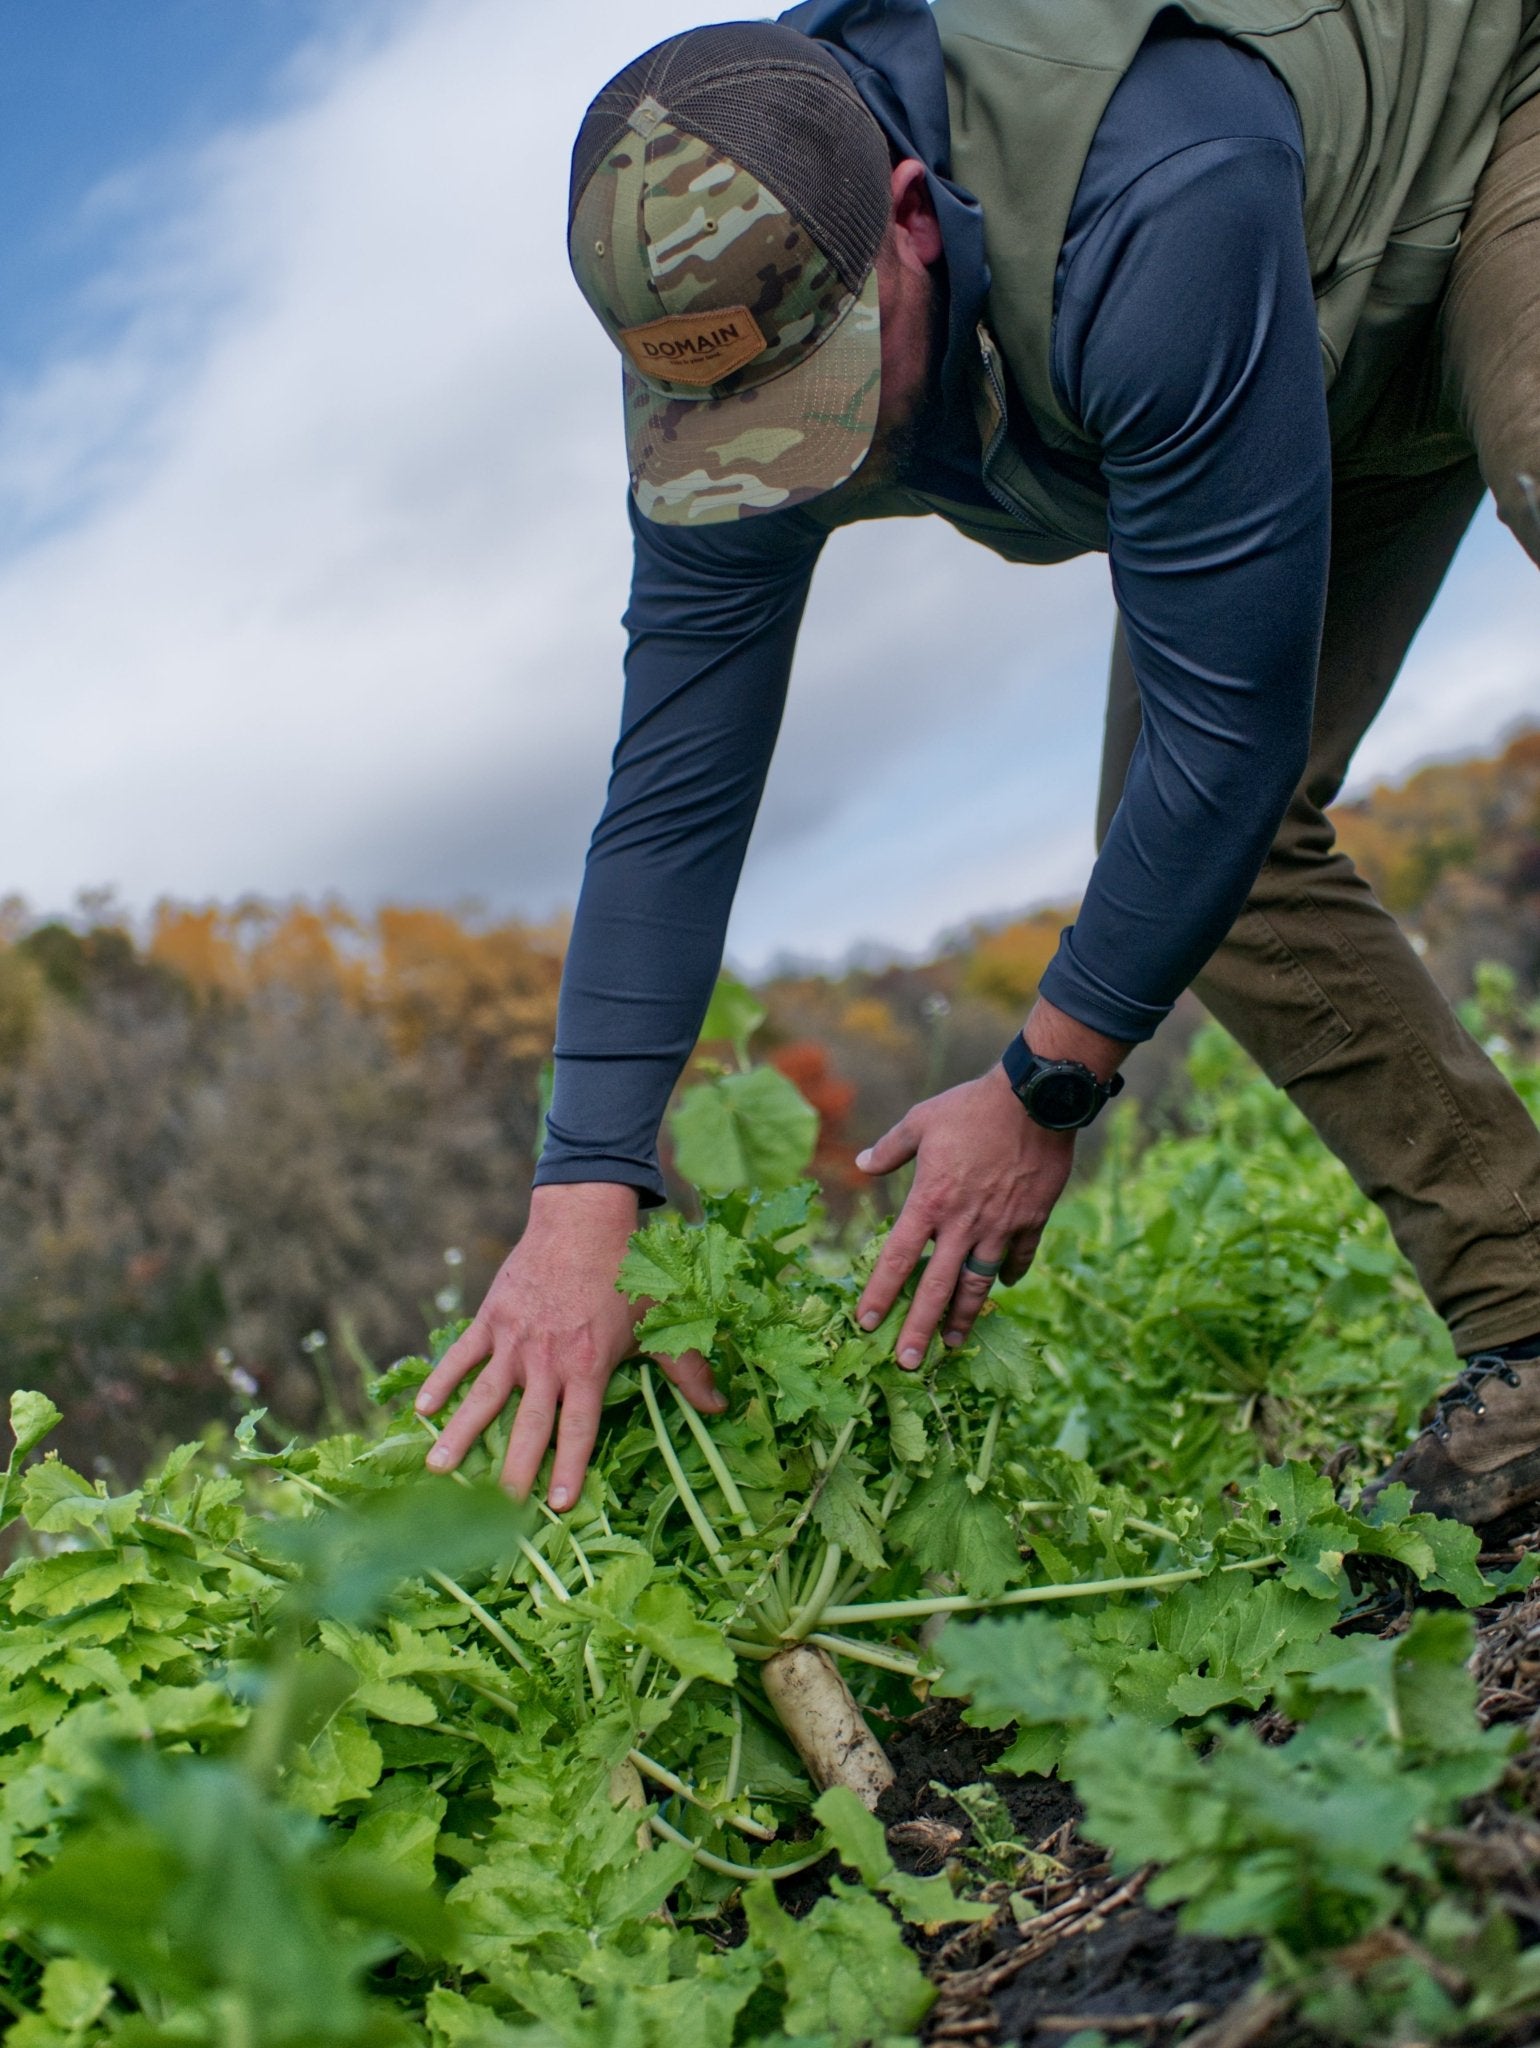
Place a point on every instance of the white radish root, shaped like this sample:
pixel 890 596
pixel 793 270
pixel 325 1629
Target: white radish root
pixel 827 1728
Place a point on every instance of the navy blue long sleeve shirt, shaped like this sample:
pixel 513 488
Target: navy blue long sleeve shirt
pixel 1185 346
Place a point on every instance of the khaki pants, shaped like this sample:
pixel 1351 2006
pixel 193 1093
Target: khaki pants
pixel 1315 979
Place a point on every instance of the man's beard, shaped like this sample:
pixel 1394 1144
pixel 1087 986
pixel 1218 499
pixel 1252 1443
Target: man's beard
pixel 892 455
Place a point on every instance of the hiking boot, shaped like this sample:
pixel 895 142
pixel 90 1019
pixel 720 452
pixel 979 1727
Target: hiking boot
pixel 1480 1455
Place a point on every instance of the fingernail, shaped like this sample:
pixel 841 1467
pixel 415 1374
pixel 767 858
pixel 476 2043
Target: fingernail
pixel 716 1404
pixel 422 1406
pixel 561 1497
pixel 953 1339
pixel 870 1320
pixel 438 1460
pixel 864 1160
pixel 910 1359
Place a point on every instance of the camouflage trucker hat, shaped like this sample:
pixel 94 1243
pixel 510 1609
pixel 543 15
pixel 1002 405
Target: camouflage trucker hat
pixel 730 191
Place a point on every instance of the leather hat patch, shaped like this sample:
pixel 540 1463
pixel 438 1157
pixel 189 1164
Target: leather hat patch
pixel 695 348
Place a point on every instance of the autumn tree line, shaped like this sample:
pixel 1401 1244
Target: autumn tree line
pixel 250 1152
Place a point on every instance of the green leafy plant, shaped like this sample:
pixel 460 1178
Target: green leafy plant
pixel 382 1760
pixel 1223 1299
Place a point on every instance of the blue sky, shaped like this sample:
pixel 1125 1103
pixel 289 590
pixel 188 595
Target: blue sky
pixel 94 92
pixel 312 547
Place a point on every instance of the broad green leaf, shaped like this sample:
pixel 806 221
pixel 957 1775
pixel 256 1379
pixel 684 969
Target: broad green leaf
pixel 845 1514
pixel 33 1416
pixel 1455 1548
pixel 752 1130
pixel 1236 1638
pixel 395 1840
pixel 1019 1667
pixel 393 1699
pixel 734 1013
pixel 695 1271
pixel 74 1992
pixel 404 1377
pixel 671 1336
pixel 342 1763
pixel 906 1427
pixel 55 1500
pixel 945 1526
pixel 999 1358
pixel 848 1974
pixel 75 1579
pixel 1036 1751
pixel 791 1356
pixel 668 1625
pixel 858 1835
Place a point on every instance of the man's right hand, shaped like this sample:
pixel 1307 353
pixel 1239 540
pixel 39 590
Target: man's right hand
pixel 554 1324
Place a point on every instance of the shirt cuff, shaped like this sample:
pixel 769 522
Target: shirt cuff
pixel 568 1169
pixel 1071 987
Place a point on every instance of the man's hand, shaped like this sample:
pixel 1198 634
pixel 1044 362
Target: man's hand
pixel 554 1324
pixel 986 1179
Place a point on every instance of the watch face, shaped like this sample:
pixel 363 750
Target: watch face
pixel 1063 1101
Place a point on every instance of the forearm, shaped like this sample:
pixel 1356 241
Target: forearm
pixel 713 623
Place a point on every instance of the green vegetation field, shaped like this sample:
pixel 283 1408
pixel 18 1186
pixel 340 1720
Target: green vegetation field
pixel 298 1748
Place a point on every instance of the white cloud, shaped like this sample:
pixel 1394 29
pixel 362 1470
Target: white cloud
pixel 316 556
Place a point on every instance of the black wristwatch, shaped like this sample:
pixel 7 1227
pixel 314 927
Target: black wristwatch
pixel 1061 1095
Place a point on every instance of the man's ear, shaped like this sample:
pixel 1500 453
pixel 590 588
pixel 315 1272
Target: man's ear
pixel 915 225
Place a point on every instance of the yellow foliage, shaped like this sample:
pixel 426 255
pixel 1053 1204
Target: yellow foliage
pixel 1006 966
pixel 198 946
pixel 871 1018
pixel 1454 815
pixel 492 990
pixel 433 975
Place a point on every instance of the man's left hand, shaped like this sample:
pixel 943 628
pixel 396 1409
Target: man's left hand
pixel 986 1179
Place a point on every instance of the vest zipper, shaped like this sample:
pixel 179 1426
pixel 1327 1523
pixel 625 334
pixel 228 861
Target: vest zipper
pixel 998 492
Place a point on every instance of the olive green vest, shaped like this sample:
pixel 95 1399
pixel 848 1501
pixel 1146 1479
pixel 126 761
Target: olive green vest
pixel 1399 101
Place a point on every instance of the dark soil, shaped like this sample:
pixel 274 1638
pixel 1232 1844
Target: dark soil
pixel 936 1747
pixel 1098 1958
pixel 1135 1971
pixel 1090 1955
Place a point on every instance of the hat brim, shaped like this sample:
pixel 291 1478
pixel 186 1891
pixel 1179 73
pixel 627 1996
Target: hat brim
pixel 698 461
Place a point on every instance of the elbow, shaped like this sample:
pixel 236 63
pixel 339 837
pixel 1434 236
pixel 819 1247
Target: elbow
pixel 1293 762
pixel 1272 783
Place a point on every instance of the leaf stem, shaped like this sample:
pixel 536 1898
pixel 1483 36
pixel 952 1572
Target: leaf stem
pixel 682 1486
pixel 1041 1507
pixel 494 1628
pixel 309 1486
pixel 713 1457
pixel 1028 1596
pixel 735 1753
pixel 862 1653
pixel 720 1864
pixel 662 1776
pixel 810 1612
pixel 571 1535
pixel 991 1435
pixel 557 1585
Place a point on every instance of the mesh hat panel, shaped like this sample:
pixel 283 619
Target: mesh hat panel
pixel 780 107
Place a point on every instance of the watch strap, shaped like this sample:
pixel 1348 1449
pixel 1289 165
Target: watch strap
pixel 1023 1066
